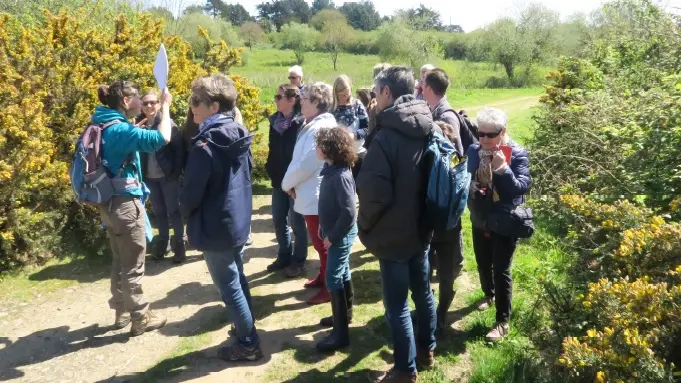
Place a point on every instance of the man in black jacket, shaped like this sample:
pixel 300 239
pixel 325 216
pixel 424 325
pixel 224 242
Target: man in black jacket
pixel 392 223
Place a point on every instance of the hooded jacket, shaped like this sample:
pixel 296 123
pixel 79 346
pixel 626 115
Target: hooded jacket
pixel 303 171
pixel 123 141
pixel 392 183
pixel 217 193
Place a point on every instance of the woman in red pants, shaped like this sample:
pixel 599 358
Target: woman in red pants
pixel 302 178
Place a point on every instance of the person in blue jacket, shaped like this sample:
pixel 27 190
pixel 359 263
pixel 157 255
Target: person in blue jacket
pixel 217 199
pixel 496 183
pixel 125 217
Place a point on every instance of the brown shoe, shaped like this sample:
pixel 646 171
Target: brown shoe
pixel 394 376
pixel 294 271
pixel 498 332
pixel 485 303
pixel 122 320
pixel 425 359
pixel 149 322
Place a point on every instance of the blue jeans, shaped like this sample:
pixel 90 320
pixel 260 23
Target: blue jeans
pixel 282 215
pixel 397 278
pixel 227 270
pixel 338 261
pixel 166 204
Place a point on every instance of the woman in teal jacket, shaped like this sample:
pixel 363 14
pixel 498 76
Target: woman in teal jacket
pixel 124 217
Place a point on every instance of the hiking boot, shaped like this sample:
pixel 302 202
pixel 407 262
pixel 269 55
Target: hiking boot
pixel 149 322
pixel 239 353
pixel 425 359
pixel 294 271
pixel 122 320
pixel 485 303
pixel 340 335
pixel 394 376
pixel 322 296
pixel 180 253
pixel 161 248
pixel 318 281
pixel 349 297
pixel 277 265
pixel 498 332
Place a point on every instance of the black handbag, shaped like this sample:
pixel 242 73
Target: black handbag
pixel 515 223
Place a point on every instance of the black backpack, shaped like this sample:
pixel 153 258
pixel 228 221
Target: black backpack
pixel 469 130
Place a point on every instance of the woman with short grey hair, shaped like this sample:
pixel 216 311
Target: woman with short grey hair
pixel 499 184
pixel 302 178
pixel 217 199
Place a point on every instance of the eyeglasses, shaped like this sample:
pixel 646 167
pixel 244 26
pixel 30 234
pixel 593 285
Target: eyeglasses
pixel 489 135
pixel 278 97
pixel 149 103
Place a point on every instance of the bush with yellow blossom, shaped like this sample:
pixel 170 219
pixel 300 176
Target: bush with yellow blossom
pixel 49 73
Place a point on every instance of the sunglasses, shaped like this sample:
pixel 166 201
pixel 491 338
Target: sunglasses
pixel 149 103
pixel 489 135
pixel 293 77
pixel 278 97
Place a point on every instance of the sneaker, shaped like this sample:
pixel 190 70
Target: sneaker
pixel 294 271
pixel 122 320
pixel 485 303
pixel 498 332
pixel 394 376
pixel 425 359
pixel 149 322
pixel 239 353
pixel 276 266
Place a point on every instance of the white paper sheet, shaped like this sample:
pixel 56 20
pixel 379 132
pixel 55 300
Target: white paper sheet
pixel 161 68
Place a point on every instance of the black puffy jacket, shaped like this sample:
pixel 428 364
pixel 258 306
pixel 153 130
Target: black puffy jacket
pixel 392 182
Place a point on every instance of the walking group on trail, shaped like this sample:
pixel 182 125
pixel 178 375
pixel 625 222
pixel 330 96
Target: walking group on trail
pixel 340 167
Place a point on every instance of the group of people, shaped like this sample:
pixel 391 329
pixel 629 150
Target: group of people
pixel 340 166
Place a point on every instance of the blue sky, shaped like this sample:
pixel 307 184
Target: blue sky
pixel 470 14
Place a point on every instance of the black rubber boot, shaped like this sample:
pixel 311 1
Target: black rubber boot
pixel 340 335
pixel 180 252
pixel 160 249
pixel 349 297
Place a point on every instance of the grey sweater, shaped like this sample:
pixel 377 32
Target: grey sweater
pixel 337 211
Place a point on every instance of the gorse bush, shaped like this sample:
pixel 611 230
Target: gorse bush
pixel 608 142
pixel 49 73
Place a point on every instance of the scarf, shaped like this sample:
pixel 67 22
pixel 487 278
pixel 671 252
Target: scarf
pixel 282 123
pixel 484 173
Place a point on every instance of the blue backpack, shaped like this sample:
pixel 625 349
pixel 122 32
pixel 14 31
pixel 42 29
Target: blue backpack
pixel 91 182
pixel 448 183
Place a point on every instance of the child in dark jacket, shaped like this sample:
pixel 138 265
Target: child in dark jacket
pixel 338 229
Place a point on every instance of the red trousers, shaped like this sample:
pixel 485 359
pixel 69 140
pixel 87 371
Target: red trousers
pixel 312 222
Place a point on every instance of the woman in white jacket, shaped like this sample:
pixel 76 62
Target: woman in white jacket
pixel 302 178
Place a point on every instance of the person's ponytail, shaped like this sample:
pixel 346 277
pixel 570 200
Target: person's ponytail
pixel 103 94
pixel 112 96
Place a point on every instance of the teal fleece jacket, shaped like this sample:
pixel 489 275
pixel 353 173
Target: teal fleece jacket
pixel 120 140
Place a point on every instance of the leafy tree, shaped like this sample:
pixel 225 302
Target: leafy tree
pixel 361 15
pixel 216 29
pixel 236 14
pixel 422 18
pixel 161 13
pixel 398 43
pixel 453 28
pixel 299 38
pixel 193 9
pixel 251 33
pixel 526 41
pixel 214 7
pixel 335 34
pixel 281 12
pixel 326 16
pixel 318 5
